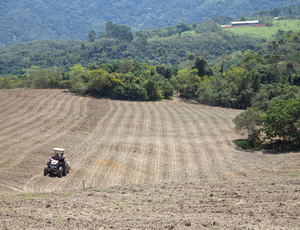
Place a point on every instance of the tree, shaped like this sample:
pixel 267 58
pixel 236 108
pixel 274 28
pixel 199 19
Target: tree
pixel 250 123
pixel 100 82
pixel 275 12
pixel 119 32
pixel 222 19
pixel 110 27
pixel 153 90
pixel 282 120
pixel 211 26
pixel 164 70
pixel 182 27
pixel 167 89
pixel 92 36
pixel 202 66
pixel 141 39
pixel 130 91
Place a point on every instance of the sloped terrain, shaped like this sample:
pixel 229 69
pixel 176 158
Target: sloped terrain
pixel 144 165
pixel 26 21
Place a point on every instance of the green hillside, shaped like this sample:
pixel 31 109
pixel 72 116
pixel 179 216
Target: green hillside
pixel 173 50
pixel 31 20
pixel 268 32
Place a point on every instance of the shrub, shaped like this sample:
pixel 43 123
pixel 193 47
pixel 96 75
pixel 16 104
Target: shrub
pixel 130 91
pixel 249 122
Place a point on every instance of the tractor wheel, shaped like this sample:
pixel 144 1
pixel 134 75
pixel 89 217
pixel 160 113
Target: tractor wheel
pixel 68 166
pixel 45 171
pixel 60 171
pixel 65 170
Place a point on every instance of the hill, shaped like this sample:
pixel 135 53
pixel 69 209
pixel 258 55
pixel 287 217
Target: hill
pixel 31 20
pixel 137 165
pixel 172 50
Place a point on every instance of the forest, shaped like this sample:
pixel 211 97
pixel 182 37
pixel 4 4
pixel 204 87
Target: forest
pixel 151 47
pixel 32 20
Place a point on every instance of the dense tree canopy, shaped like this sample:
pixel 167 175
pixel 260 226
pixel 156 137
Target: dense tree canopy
pixel 118 43
pixel 31 20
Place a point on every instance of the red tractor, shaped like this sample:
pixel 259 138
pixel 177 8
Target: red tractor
pixel 57 164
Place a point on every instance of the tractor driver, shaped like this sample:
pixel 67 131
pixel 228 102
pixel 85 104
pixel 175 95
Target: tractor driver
pixel 62 158
pixel 56 157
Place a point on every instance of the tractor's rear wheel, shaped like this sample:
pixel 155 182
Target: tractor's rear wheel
pixel 68 166
pixel 45 171
pixel 65 170
pixel 60 171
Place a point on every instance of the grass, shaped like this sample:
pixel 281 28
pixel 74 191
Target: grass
pixel 244 144
pixel 84 132
pixel 109 190
pixel 66 194
pixel 268 32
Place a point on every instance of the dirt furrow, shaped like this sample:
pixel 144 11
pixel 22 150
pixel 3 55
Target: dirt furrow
pixel 4 96
pixel 36 117
pixel 224 137
pixel 199 127
pixel 168 151
pixel 220 123
pixel 172 134
pixel 17 121
pixel 178 129
pixel 108 163
pixel 157 170
pixel 96 147
pixel 141 148
pixel 150 148
pixel 127 172
pixel 14 104
pixel 19 105
pixel 185 150
pixel 99 120
pixel 211 152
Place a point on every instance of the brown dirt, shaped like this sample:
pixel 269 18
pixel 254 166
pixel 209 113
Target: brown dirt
pixel 143 164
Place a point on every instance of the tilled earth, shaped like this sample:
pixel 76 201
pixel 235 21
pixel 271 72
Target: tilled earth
pixel 137 165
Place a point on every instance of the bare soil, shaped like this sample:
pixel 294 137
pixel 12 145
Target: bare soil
pixel 137 165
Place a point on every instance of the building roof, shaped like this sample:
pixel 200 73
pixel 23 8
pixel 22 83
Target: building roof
pixel 245 22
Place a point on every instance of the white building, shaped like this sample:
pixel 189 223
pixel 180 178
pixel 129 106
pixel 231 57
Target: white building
pixel 245 23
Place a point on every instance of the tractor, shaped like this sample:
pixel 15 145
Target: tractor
pixel 56 164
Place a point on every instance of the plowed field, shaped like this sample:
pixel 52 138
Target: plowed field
pixel 120 143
